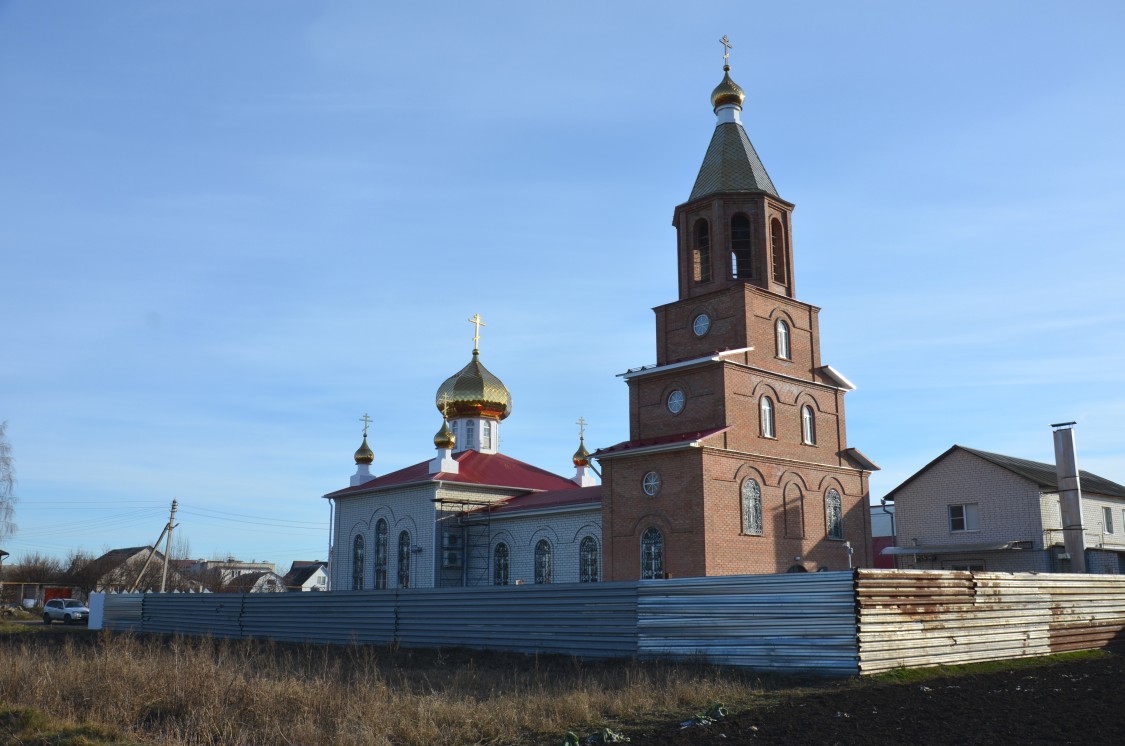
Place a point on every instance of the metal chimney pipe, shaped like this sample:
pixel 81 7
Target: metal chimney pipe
pixel 1070 495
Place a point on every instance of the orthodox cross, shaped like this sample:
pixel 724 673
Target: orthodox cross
pixel 475 320
pixel 726 49
pixel 366 421
pixel 581 428
pixel 444 401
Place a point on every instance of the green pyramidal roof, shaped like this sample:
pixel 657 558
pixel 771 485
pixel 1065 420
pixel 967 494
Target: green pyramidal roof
pixel 731 165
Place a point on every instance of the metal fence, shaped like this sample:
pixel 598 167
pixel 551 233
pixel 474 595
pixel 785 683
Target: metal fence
pixel 835 623
pixel 913 618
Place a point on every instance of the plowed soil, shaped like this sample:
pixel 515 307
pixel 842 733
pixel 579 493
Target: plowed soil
pixel 1076 702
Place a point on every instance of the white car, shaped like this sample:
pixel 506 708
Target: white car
pixel 67 610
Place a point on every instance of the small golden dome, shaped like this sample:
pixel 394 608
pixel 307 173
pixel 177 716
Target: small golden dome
pixel 445 437
pixel 364 455
pixel 727 92
pixel 474 392
pixel 581 456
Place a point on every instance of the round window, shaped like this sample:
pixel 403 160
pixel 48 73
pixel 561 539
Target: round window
pixel 676 402
pixel 701 325
pixel 651 483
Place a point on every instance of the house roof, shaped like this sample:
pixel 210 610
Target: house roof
pixel 1042 474
pixel 248 580
pixel 119 556
pixel 299 575
pixel 494 469
pixel 550 499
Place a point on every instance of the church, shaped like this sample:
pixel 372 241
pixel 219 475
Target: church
pixel 737 460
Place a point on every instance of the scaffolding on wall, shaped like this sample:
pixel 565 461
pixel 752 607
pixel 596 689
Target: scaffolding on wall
pixel 464 534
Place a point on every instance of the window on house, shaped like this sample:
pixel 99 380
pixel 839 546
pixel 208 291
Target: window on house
pixel 834 515
pixel 777 251
pixel 404 559
pixel 543 561
pixel 652 554
pixel 701 253
pixel 500 564
pixel 768 430
pixel 381 554
pixel 751 508
pixel 588 560
pixel 808 425
pixel 782 339
pixel 741 253
pixel 1107 520
pixel 964 517
pixel 357 563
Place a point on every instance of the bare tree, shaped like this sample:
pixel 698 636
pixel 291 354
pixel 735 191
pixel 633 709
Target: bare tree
pixel 35 568
pixel 7 485
pixel 84 570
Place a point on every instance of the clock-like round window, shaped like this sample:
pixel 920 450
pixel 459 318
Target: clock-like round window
pixel 701 325
pixel 651 483
pixel 676 401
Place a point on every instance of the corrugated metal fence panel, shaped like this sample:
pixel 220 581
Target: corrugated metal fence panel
pixel 122 611
pixel 583 619
pixel 215 614
pixel 342 617
pixel 791 622
pixel 912 618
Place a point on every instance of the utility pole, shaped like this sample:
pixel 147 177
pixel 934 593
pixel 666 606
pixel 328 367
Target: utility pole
pixel 168 546
pixel 167 531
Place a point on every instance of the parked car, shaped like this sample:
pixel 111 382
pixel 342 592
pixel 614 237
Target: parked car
pixel 67 610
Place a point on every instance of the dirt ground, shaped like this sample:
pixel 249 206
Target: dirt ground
pixel 1080 702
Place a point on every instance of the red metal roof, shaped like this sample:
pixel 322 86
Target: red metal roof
pixel 575 495
pixel 629 445
pixel 494 469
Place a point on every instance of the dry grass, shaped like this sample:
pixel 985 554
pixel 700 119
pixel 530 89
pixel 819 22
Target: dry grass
pixel 182 691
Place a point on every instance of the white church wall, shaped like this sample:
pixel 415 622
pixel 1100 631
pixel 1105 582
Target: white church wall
pixel 564 531
pixel 408 509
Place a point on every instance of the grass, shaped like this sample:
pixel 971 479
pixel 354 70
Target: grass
pixel 195 691
pixel 913 675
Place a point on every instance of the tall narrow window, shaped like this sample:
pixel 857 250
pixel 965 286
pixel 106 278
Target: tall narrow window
pixel 701 253
pixel 588 560
pixel 794 512
pixel 741 254
pixel 404 559
pixel 808 425
pixel 543 561
pixel 783 338
pixel 834 515
pixel 777 251
pixel 486 434
pixel 357 563
pixel 751 508
pixel 500 564
pixel 768 430
pixel 457 444
pixel 652 554
pixel 381 554
pixel 1107 520
pixel 470 432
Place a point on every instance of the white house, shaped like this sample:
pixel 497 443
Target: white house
pixel 975 510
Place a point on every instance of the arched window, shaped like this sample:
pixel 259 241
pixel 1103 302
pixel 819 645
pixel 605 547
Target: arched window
pixel 794 512
pixel 381 554
pixel 751 508
pixel 543 561
pixel 404 559
pixel 486 434
pixel 470 432
pixel 652 554
pixel 500 564
pixel 588 560
pixel 777 251
pixel 768 430
pixel 783 338
pixel 834 515
pixel 453 428
pixel 808 425
pixel 741 255
pixel 357 563
pixel 701 253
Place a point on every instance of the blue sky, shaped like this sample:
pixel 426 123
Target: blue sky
pixel 230 229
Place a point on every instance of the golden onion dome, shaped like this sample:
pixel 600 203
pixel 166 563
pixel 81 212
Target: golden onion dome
pixel 581 456
pixel 474 392
pixel 727 92
pixel 445 437
pixel 364 455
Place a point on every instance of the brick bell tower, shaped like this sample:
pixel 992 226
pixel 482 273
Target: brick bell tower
pixel 737 459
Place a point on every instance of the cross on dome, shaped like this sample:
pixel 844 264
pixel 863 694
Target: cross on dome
pixel 366 421
pixel 475 321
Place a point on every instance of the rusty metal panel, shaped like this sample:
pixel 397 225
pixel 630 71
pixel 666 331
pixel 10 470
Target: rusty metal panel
pixel 912 618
